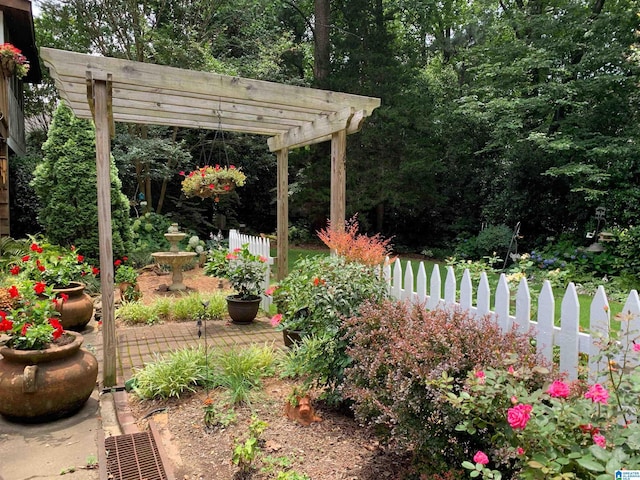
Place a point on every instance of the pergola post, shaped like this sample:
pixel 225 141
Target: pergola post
pixel 338 178
pixel 103 153
pixel 283 213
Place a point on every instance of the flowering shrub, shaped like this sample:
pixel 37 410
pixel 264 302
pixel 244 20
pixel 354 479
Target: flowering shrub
pixel 31 319
pixel 355 247
pixel 561 430
pixel 13 60
pixel 53 265
pixel 208 181
pixel 244 270
pixel 403 354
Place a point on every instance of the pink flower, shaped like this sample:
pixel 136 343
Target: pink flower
pixel 231 256
pixel 276 319
pixel 600 440
pixel 269 291
pixel 511 370
pixel 480 376
pixel 558 389
pixel 481 458
pixel 237 250
pixel 263 259
pixel 598 394
pixel 181 173
pixel 520 451
pixel 514 399
pixel 636 347
pixel 519 415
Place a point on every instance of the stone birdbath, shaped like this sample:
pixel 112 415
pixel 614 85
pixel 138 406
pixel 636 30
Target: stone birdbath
pixel 174 257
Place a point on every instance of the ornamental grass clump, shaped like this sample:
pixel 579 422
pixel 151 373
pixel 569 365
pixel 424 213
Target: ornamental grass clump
pixel 581 430
pixel 401 354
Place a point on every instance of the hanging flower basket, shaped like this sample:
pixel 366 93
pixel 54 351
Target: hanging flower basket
pixel 207 181
pixel 12 61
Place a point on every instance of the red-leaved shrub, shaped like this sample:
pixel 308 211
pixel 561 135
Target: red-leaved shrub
pixel 400 352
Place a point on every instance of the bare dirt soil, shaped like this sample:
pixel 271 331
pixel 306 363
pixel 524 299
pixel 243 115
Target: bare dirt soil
pixel 336 448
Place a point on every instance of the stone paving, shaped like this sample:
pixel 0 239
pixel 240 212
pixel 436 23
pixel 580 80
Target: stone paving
pixel 141 344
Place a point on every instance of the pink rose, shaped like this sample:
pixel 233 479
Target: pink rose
pixel 481 458
pixel 558 389
pixel 520 451
pixel 600 440
pixel 636 347
pixel 481 377
pixel 519 415
pixel 276 319
pixel 598 394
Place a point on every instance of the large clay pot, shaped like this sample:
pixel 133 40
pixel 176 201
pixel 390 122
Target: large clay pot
pixel 242 311
pixel 77 311
pixel 44 385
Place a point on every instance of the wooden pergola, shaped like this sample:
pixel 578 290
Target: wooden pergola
pixel 110 90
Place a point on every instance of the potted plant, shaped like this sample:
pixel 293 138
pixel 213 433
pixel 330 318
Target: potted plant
pixel 63 269
pixel 127 280
pixel 246 273
pixel 208 181
pixel 12 61
pixel 43 372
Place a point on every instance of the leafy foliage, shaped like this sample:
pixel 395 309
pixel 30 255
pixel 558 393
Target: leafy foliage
pixel 401 352
pixel 172 375
pixel 65 182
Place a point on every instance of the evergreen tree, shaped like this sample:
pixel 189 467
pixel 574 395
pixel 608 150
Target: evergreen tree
pixel 66 185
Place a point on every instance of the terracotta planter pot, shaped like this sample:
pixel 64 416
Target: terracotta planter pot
pixel 77 311
pixel 44 385
pixel 242 311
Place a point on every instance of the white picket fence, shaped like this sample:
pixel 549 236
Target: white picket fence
pixel 566 335
pixel 257 246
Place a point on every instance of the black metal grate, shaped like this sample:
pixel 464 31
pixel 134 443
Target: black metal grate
pixel 134 456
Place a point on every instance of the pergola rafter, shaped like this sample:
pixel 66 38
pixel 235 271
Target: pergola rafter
pixel 110 90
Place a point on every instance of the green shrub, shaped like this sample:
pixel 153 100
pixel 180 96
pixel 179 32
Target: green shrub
pixel 494 238
pixel 65 183
pixel 315 298
pixel 240 371
pixel 401 352
pixel 172 375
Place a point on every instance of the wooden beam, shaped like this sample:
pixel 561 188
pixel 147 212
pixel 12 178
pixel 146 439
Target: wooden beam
pixel 103 153
pixel 306 134
pixel 127 72
pixel 283 214
pixel 338 178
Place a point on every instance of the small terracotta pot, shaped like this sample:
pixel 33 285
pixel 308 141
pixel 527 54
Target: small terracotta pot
pixel 77 311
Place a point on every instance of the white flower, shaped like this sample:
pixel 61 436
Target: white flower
pixel 194 241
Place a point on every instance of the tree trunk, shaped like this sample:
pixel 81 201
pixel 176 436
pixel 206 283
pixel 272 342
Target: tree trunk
pixel 321 43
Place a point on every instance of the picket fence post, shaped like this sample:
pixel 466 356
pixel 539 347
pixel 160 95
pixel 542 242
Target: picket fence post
pixel 566 336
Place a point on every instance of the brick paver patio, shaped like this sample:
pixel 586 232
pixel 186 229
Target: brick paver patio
pixel 140 344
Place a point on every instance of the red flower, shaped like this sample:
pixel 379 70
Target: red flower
pixel 13 292
pixel 55 323
pixel 39 287
pixel 15 270
pixel 80 258
pixel 318 281
pixel 34 247
pixel 25 327
pixel 181 173
pixel 232 167
pixel 117 263
pixel 26 258
pixel 227 188
pixel 64 297
pixel 5 325
pixel 42 268
pixel 95 270
pixel 124 259
pixel 211 186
